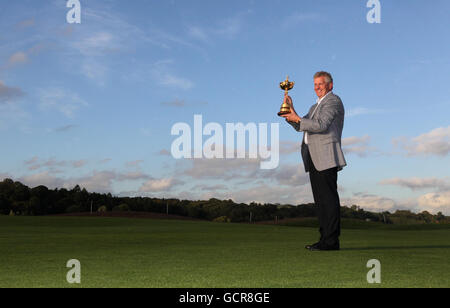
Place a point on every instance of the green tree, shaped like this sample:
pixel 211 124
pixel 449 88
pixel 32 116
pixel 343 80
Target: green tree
pixel 33 206
pixel 4 205
pixel 121 208
pixel 21 192
pixel 440 216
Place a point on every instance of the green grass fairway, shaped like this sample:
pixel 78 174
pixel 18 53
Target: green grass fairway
pixel 122 252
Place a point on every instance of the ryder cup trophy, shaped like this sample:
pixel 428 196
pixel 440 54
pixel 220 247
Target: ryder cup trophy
pixel 286 86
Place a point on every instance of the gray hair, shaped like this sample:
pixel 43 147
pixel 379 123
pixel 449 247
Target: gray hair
pixel 327 76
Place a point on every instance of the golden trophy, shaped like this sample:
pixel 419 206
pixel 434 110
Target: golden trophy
pixel 286 86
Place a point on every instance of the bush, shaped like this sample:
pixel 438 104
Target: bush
pixel 222 219
pixel 74 209
pixel 121 208
pixel 102 209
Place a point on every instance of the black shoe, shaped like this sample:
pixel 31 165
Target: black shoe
pixel 324 248
pixel 309 247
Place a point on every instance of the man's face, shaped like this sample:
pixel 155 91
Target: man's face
pixel 322 87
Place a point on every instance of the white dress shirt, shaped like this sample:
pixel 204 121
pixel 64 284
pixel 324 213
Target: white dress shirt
pixel 319 100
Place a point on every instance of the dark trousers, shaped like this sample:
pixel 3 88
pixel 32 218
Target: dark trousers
pixel 326 198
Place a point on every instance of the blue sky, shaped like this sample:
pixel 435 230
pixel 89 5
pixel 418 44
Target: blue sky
pixel 94 103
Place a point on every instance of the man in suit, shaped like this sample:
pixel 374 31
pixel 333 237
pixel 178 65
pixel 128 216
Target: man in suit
pixel 322 156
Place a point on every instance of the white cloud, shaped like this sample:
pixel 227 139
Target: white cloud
pixel 62 100
pixel 158 185
pixel 357 145
pixel 134 163
pixel 297 18
pixel 175 103
pixel 79 163
pixel 290 175
pixel 9 94
pixel 169 80
pixel 93 48
pixel 227 28
pixel 32 161
pixel 370 202
pixel 419 183
pixel 435 202
pixel 433 143
pixel 22 57
pixel 355 140
pixel 197 33
pixel 35 163
pixel 100 182
pixel 96 44
pixel 243 173
pixel 18 58
pixel 210 188
pixel 161 73
pixel 94 70
pixel 290 147
pixel 224 169
pixel 12 114
pixel 42 178
pixel 361 111
pixel 26 23
pixel 96 181
pixel 110 34
pixel 230 27
pixel 136 175
pixel 88 50
pixel 164 152
pixel 263 194
pixel 65 128
pixel 4 176
pixel 432 202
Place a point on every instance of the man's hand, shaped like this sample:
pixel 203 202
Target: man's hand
pixel 293 116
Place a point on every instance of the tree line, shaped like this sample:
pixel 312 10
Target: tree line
pixel 18 199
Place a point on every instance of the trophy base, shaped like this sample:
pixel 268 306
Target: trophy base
pixel 281 113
